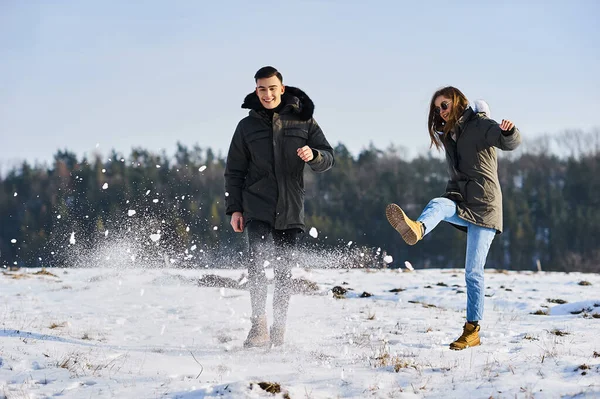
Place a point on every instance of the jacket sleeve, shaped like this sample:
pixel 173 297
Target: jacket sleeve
pixel 496 137
pixel 323 153
pixel 236 170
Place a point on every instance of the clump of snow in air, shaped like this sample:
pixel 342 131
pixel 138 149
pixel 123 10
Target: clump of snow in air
pixel 388 259
pixel 266 263
pixel 202 168
pixel 349 243
pixel 106 233
pixel 409 266
pixel 147 192
pixel 15 194
pixel 157 166
pixel 13 241
pixel 104 186
pixel 72 238
pixel 155 237
pixel 155 200
pixel 131 212
pixel 103 170
pixel 313 232
pixel 215 228
pixel 226 194
pixel 58 217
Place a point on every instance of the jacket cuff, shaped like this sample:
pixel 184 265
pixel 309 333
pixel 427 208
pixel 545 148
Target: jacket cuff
pixel 316 157
pixel 231 209
pixel 508 132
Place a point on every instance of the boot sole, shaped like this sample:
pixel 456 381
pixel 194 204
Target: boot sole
pixel 397 218
pixel 261 344
pixel 457 348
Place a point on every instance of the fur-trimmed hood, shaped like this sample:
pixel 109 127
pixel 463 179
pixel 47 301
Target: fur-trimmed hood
pixel 481 106
pixel 294 98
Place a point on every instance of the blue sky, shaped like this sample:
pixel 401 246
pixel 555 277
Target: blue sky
pixel 150 73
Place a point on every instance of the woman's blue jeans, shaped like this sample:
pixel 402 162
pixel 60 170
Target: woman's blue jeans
pixel 479 240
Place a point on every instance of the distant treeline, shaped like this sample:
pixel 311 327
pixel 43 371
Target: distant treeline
pixel 172 208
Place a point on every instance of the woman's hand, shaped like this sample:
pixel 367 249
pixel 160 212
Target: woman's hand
pixel 506 125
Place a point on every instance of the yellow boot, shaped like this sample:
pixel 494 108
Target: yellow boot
pixel 410 230
pixel 259 333
pixel 469 337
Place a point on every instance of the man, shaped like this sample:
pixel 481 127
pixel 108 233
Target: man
pixel 265 185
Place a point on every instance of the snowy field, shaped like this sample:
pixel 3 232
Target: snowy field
pixel 158 333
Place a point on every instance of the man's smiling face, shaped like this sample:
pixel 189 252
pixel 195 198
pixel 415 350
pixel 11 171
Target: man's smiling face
pixel 269 92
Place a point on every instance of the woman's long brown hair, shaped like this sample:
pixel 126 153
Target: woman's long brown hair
pixel 435 123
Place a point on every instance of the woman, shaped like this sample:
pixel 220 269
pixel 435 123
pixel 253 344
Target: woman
pixel 473 199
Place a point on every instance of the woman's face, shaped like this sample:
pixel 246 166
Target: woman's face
pixel 443 107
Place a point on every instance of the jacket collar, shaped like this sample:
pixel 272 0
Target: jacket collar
pixel 460 123
pixel 296 101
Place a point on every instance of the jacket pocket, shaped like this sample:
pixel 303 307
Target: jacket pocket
pixel 294 138
pixel 475 191
pixel 296 132
pixel 257 135
pixel 462 187
pixel 454 191
pixel 260 193
pixel 259 144
pixel 256 186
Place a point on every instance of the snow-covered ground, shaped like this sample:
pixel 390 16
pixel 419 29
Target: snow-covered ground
pixel 155 333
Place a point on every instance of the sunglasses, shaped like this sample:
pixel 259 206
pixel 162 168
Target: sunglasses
pixel 444 106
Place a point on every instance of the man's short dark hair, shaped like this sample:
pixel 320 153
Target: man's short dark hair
pixel 267 72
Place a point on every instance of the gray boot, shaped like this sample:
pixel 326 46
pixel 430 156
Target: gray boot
pixel 259 333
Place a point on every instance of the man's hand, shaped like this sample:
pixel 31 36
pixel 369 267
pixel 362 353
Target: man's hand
pixel 506 125
pixel 306 153
pixel 237 222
